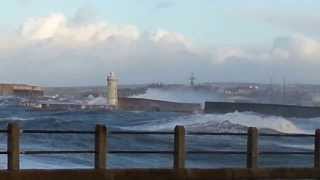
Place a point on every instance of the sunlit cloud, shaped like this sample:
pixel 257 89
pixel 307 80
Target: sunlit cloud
pixel 56 50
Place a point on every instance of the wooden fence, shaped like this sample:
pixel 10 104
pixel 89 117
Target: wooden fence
pixel 179 152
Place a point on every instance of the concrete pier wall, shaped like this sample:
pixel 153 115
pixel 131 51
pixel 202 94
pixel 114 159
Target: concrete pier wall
pixel 269 109
pixel 140 104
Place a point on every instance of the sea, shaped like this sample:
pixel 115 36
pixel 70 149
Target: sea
pixel 154 121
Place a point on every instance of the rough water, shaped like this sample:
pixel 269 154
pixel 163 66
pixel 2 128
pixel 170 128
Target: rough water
pixel 155 121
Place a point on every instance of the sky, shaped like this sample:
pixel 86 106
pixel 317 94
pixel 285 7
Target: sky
pixel 77 42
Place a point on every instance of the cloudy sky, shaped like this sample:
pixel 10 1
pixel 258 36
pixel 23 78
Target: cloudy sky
pixel 77 42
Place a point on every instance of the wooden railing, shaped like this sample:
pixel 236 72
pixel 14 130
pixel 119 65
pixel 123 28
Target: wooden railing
pixel 179 151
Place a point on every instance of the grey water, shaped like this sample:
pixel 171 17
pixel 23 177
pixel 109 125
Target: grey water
pixel 155 121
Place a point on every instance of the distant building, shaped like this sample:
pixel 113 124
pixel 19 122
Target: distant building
pixel 23 90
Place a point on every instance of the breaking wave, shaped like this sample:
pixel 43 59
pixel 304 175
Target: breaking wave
pixel 222 122
pixel 180 95
pixel 297 146
pixel 150 121
pixel 15 118
pixel 213 122
pixel 97 101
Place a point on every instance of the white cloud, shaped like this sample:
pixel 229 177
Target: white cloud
pixel 220 55
pixel 166 37
pixel 44 27
pixel 297 47
pixel 285 49
pixel 56 27
pixel 55 50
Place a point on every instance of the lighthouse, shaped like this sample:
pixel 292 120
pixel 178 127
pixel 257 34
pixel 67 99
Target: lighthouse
pixel 112 90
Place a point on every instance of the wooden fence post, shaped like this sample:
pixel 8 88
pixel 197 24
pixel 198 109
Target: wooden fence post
pixel 317 149
pixel 100 147
pixel 13 146
pixel 252 148
pixel 179 148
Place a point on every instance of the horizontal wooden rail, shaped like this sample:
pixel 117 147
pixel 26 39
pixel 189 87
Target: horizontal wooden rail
pixel 216 152
pixel 31 131
pixel 139 152
pixel 245 134
pixel 216 134
pixel 34 131
pixel 212 133
pixel 58 152
pixel 143 132
pixel 286 135
pixel 163 152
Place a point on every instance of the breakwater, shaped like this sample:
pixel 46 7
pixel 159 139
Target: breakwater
pixel 269 109
pixel 141 104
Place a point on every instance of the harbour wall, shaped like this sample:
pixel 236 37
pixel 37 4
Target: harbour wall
pixel 140 104
pixel 269 109
pixel 124 104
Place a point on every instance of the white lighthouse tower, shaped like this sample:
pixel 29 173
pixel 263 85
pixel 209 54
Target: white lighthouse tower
pixel 112 94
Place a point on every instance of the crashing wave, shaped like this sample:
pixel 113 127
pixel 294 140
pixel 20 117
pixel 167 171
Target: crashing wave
pixel 97 101
pixel 230 122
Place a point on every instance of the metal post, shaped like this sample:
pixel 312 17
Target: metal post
pixel 13 147
pixel 317 149
pixel 179 148
pixel 252 148
pixel 100 147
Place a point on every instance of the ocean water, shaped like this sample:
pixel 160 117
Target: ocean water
pixel 155 121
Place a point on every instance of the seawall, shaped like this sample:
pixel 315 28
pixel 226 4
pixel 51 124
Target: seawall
pixel 140 104
pixel 269 109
